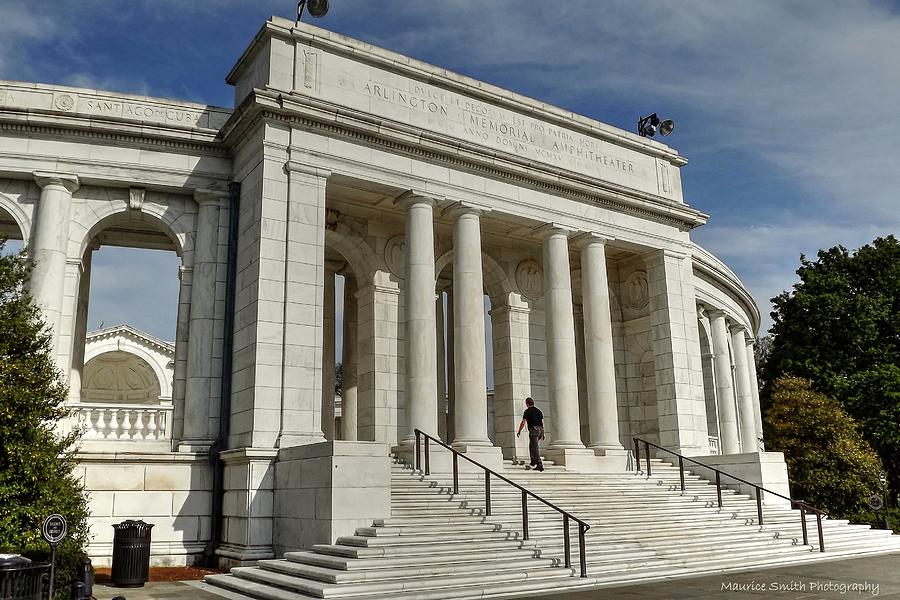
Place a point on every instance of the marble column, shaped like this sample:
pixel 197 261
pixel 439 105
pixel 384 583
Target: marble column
pixel 328 353
pixel 470 416
pixel 754 388
pixel 603 412
pixel 198 407
pixel 743 393
pixel 451 369
pixel 48 246
pixel 562 372
pixel 441 366
pixel 421 378
pixel 725 399
pixel 349 421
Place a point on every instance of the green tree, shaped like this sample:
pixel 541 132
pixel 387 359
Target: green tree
pixel 831 466
pixel 36 464
pixel 840 328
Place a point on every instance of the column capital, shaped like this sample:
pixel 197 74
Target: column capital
pixel 548 230
pixel 67 180
pixel 737 328
pixel 588 238
pixel 715 313
pixel 464 207
pixel 205 196
pixel 411 197
pixel 292 166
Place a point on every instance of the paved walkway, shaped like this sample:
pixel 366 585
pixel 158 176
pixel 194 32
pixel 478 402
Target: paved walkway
pixel 876 577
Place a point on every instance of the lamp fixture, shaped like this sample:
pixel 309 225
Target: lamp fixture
pixel 316 8
pixel 649 125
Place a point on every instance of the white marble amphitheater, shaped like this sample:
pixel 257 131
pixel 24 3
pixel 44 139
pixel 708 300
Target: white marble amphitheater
pixel 431 196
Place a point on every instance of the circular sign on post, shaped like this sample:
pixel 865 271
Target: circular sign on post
pixel 54 529
pixel 875 502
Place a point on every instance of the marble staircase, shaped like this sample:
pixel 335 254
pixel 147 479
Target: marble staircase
pixel 440 545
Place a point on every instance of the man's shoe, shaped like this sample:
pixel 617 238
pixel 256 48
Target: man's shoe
pixel 539 468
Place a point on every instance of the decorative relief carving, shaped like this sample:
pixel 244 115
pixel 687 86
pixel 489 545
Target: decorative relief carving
pixel 331 219
pixel 637 290
pixel 136 198
pixel 530 278
pixel 309 69
pixel 394 255
pixel 664 178
pixel 64 102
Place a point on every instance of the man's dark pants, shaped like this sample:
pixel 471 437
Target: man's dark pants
pixel 534 435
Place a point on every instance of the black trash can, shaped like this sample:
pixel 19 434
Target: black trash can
pixel 131 553
pixel 20 579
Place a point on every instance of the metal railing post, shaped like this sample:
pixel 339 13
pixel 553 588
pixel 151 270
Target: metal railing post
pixel 524 515
pixel 455 473
pixel 803 525
pixel 427 459
pixel 637 457
pixel 821 534
pixel 647 448
pixel 759 505
pixel 582 529
pixel 487 493
pixel 719 488
pixel 418 450
pixel 568 548
pixel 680 469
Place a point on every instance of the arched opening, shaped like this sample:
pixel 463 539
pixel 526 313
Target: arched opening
pixel 11 232
pixel 131 283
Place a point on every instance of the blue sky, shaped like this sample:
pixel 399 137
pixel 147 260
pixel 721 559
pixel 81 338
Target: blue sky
pixel 785 109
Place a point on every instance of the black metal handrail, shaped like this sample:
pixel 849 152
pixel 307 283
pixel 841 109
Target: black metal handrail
pixel 803 506
pixel 582 526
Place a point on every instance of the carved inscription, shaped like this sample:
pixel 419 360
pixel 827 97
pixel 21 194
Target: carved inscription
pixel 143 112
pixel 490 125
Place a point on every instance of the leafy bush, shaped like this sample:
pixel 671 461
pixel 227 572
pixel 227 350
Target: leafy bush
pixel 830 465
pixel 36 464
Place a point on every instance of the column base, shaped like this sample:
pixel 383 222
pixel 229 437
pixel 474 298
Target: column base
pixel 613 459
pixel 236 555
pixel 489 456
pixel 583 460
pixel 766 469
pixel 291 439
pixel 195 446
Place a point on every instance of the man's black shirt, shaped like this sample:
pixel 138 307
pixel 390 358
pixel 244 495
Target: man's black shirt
pixel 533 416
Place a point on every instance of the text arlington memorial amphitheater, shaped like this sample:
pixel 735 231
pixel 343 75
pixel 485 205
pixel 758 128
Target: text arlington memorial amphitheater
pixel 430 197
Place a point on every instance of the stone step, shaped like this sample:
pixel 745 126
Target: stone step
pixel 420 549
pixel 467 554
pixel 392 570
pixel 445 582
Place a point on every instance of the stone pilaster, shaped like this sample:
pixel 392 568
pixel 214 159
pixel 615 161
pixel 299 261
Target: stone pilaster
pixel 421 378
pixel 247 506
pixel 328 333
pixel 302 296
pixel 80 326
pixel 681 407
pixel 48 247
pixel 196 434
pixel 378 361
pixel 600 368
pixel 725 400
pixel 451 368
pixel 512 376
pixel 743 395
pixel 349 421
